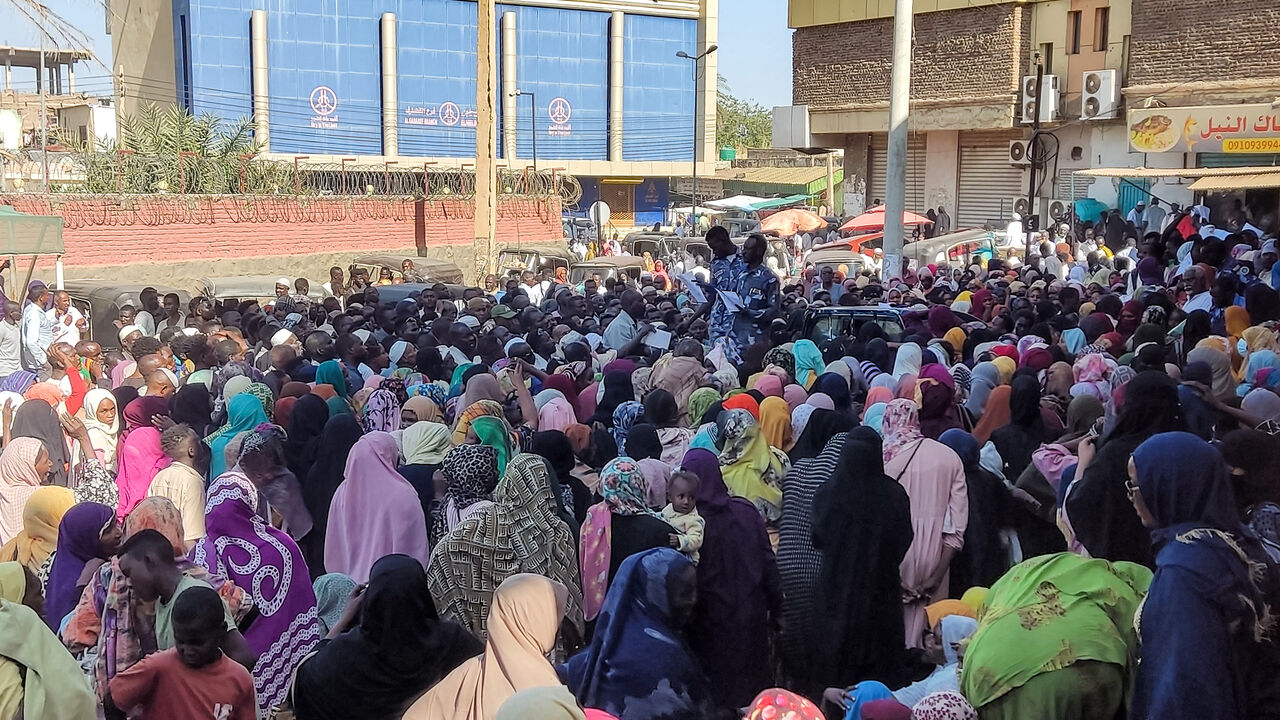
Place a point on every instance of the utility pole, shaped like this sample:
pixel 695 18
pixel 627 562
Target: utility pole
pixel 698 127
pixel 1032 155
pixel 895 196
pixel 44 120
pixel 486 216
pixel 533 122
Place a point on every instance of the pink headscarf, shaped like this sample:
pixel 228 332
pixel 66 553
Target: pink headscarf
pixel 375 512
pixel 795 396
pixel 901 426
pixel 906 388
pixel 1052 460
pixel 822 401
pixel 769 385
pixel 557 414
pixel 586 404
pixel 139 458
pixel 18 482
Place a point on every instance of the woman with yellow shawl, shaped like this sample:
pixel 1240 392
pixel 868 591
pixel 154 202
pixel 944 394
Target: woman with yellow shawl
pixel 38 677
pixel 34 547
pixel 751 468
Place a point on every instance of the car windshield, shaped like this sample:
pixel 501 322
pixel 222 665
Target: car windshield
pixel 830 326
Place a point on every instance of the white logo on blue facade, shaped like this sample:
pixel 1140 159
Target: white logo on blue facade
pixel 324 103
pixel 559 111
pixel 449 114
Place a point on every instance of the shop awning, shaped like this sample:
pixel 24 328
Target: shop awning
pixel 1146 172
pixel 23 234
pixel 1253 181
pixel 780 202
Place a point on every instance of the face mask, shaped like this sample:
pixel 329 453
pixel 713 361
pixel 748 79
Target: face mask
pixel 1242 347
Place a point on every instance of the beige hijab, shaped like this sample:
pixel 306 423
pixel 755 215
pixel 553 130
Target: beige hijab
pixel 522 626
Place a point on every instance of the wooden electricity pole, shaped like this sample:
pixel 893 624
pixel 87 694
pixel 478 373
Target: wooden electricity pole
pixel 486 215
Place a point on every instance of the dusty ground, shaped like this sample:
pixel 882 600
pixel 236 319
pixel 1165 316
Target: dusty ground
pixel 186 274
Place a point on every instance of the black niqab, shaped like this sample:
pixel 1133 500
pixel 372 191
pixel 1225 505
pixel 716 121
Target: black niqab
pixel 399 650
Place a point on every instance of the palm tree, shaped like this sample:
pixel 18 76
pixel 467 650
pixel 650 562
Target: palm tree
pixel 168 149
pixel 57 31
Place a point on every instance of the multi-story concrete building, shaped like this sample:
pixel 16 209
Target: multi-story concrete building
pixel 392 80
pixel 969 118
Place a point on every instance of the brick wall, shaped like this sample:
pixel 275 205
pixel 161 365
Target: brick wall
pixel 974 53
pixel 105 231
pixel 1178 41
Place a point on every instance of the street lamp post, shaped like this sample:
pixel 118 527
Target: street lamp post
pixel 533 122
pixel 695 59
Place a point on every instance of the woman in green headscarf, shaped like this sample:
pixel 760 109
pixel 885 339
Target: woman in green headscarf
pixel 699 402
pixel 493 432
pixel 330 373
pixel 1056 640
pixel 38 677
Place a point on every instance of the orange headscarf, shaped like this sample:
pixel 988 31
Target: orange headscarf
pixel 743 401
pixel 995 415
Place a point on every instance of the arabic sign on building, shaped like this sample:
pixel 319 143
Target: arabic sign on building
pixel 447 114
pixel 1220 128
pixel 324 103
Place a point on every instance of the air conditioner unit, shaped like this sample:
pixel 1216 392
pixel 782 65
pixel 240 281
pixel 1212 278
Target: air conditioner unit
pixel 1101 97
pixel 1049 95
pixel 1018 153
pixel 1021 207
pixel 1055 209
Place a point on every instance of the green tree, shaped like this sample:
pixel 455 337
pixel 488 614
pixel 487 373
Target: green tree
pixel 741 123
pixel 168 149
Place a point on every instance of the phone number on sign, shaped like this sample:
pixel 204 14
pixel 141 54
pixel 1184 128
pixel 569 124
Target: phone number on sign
pixel 1249 145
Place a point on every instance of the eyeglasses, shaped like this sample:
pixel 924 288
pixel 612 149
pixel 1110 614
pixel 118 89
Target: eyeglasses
pixel 1131 486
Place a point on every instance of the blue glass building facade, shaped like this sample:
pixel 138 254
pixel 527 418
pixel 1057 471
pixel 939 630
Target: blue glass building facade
pixel 325 68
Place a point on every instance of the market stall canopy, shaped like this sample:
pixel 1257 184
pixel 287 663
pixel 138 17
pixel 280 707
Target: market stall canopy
pixel 789 222
pixel 1202 172
pixel 1254 181
pixel 873 219
pixel 23 234
pixel 781 202
pixel 749 203
pixel 702 210
pixel 737 202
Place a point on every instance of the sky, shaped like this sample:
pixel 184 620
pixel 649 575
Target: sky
pixel 755 45
pixel 755 50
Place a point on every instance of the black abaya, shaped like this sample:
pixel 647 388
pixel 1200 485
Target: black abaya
pixel 862 527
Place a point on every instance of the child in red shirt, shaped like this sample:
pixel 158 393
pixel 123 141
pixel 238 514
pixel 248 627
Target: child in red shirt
pixel 192 680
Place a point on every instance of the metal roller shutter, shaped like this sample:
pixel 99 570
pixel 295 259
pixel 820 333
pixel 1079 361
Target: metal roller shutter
pixel 1218 160
pixel 988 185
pixel 915 170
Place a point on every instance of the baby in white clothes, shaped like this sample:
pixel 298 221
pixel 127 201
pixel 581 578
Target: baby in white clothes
pixel 681 513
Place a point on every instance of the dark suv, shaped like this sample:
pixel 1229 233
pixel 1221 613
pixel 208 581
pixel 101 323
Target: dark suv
pixel 825 323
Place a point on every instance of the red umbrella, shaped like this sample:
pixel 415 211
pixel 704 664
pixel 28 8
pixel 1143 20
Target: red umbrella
pixel 789 222
pixel 873 219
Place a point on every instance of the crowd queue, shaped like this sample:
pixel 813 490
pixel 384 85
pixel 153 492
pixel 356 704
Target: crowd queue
pixel 1056 494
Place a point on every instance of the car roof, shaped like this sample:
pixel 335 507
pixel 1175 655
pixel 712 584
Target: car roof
pixel 98 290
pixel 248 286
pixel 879 307
pixel 617 261
pixel 431 268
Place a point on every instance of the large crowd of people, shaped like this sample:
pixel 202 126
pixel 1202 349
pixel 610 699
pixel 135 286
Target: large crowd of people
pixel 1053 492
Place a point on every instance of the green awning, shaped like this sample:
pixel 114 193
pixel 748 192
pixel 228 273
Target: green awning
pixel 23 234
pixel 780 202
